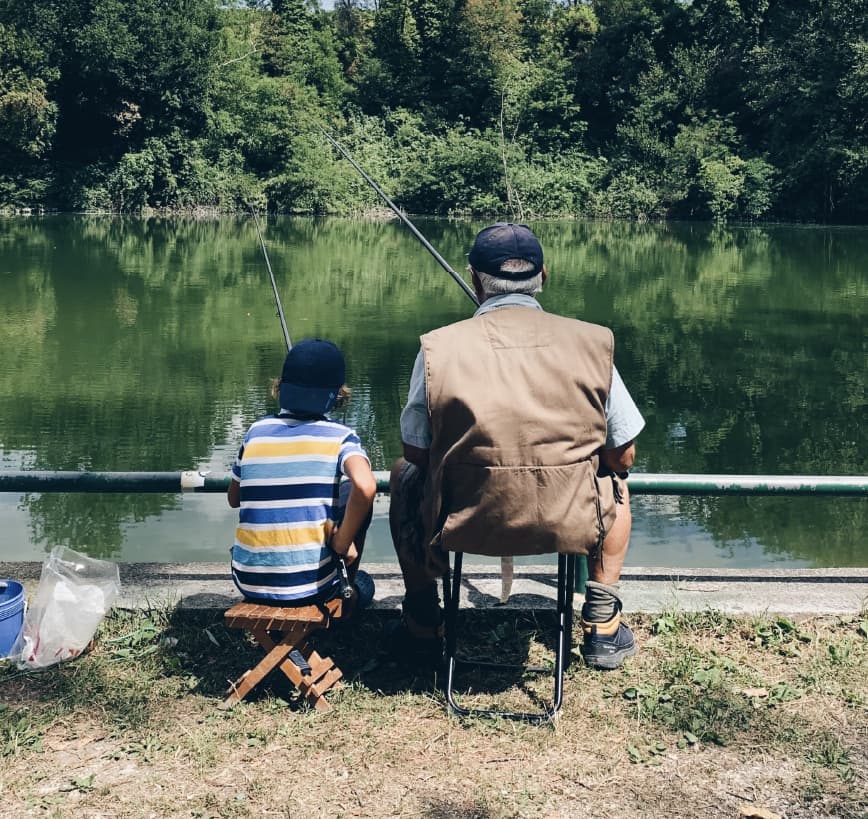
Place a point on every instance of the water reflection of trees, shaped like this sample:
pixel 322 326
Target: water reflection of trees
pixel 137 344
pixel 92 523
pixel 822 530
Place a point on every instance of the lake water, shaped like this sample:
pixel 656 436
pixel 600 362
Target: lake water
pixel 149 344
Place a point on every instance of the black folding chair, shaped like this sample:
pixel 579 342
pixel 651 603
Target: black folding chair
pixel 451 596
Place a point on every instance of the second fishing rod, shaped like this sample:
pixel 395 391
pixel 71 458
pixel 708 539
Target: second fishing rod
pixel 402 216
pixel 346 587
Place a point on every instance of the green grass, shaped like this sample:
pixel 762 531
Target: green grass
pixel 782 701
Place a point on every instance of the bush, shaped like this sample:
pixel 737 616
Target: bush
pixel 459 172
pixel 627 197
pixel 719 184
pixel 131 184
pixel 20 191
pixel 760 189
pixel 561 185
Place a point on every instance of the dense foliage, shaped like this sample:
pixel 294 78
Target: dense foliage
pixel 712 109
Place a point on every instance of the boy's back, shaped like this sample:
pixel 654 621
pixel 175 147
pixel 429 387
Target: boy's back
pixel 289 471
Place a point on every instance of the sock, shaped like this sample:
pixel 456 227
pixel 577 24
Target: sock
pixel 602 602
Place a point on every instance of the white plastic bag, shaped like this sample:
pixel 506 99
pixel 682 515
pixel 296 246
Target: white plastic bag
pixel 75 592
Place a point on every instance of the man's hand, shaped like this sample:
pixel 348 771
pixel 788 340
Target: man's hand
pixel 620 459
pixel 416 456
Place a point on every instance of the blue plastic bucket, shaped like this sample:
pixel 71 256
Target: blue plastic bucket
pixel 11 614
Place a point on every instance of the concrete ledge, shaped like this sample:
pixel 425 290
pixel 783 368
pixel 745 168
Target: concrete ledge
pixel 736 591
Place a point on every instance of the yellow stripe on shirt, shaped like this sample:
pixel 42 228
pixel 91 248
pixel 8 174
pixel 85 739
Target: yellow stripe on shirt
pixel 288 448
pixel 280 537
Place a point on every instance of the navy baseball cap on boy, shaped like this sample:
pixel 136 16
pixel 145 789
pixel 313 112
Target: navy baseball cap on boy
pixel 313 373
pixel 504 240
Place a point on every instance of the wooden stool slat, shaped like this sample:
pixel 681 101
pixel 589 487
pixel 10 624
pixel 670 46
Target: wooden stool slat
pixel 319 670
pixel 330 680
pixel 318 665
pixel 312 686
pixel 250 612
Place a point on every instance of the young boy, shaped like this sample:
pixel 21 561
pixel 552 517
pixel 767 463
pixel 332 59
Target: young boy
pixel 296 512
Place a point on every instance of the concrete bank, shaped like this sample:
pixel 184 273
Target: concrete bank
pixel 794 592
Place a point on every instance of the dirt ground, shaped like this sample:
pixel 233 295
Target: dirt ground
pixel 715 717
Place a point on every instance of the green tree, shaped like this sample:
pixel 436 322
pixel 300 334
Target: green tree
pixel 439 57
pixel 808 91
pixel 27 115
pixel 298 43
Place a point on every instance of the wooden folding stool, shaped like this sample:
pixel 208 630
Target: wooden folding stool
pixel 282 632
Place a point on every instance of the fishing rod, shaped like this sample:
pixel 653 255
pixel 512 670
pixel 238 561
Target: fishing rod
pixel 425 243
pixel 273 283
pixel 343 575
pixel 506 562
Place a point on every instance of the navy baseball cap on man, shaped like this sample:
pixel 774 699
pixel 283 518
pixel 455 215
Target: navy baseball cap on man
pixel 313 373
pixel 504 240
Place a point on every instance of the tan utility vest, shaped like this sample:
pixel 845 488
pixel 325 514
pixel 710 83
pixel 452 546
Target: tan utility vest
pixel 517 398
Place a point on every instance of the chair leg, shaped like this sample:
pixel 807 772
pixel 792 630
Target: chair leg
pixel 323 675
pixel 563 654
pixel 276 654
pixel 451 598
pixel 567 589
pixel 563 645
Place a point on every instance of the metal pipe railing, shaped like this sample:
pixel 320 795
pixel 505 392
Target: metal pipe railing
pixel 641 483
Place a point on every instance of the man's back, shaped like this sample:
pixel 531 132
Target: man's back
pixel 517 403
pixel 494 407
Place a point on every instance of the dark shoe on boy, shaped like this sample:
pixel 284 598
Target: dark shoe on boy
pixel 364 589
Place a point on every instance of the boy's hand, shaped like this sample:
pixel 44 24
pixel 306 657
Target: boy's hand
pixel 349 553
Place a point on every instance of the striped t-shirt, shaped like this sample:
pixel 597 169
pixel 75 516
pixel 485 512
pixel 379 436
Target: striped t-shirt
pixel 289 471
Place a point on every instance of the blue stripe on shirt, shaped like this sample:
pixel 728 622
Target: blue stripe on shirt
pixel 277 580
pixel 287 469
pixel 291 556
pixel 287 492
pixel 290 514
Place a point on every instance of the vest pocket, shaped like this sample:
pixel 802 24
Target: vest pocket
pixel 521 510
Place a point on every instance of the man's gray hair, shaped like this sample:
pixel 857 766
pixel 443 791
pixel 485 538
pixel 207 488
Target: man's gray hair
pixel 495 286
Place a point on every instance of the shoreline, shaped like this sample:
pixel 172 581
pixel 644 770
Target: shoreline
pixel 794 592
pixel 381 214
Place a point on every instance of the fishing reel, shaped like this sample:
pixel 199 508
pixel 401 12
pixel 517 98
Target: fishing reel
pixel 344 578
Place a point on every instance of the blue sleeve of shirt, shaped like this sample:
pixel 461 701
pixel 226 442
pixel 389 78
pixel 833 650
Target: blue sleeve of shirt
pixel 351 445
